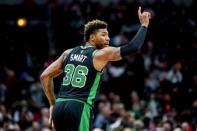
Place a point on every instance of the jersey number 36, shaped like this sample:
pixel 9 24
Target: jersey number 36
pixel 76 76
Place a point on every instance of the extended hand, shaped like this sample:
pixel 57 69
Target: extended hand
pixel 144 17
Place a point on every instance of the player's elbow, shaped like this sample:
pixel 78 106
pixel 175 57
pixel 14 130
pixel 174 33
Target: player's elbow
pixel 43 76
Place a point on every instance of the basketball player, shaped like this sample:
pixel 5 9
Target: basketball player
pixel 82 66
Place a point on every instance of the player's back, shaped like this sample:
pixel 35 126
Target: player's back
pixel 81 81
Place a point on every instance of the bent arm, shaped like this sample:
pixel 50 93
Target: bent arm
pixel 116 53
pixel 103 56
pixel 52 71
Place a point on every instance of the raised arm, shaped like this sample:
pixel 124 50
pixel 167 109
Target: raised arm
pixel 116 53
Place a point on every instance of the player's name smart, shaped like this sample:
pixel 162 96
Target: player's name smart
pixel 77 57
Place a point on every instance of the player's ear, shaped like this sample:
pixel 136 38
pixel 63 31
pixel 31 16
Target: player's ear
pixel 92 37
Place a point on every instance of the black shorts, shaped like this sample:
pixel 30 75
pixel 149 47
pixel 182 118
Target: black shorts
pixel 72 115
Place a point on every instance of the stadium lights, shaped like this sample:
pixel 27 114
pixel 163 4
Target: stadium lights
pixel 21 22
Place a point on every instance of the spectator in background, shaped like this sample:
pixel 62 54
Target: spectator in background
pixel 175 75
pixel 102 120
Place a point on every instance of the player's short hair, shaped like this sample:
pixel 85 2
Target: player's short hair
pixel 91 26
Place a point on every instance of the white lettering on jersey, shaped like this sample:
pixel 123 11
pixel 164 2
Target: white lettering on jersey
pixel 77 57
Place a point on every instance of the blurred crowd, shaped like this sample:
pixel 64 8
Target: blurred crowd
pixel 154 90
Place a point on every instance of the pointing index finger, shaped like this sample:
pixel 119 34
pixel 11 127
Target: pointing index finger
pixel 139 11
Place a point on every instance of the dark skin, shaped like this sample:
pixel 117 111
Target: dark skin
pixel 106 53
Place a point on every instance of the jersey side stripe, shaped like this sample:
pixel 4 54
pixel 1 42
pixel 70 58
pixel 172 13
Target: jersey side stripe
pixel 94 88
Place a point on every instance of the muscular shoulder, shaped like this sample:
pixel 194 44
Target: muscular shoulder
pixel 103 56
pixel 103 52
pixel 108 54
pixel 66 53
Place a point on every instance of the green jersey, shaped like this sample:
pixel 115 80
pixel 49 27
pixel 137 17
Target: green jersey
pixel 81 80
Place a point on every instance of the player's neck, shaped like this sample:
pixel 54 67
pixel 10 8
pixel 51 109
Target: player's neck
pixel 89 44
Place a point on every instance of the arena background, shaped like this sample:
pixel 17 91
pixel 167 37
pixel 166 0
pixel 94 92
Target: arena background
pixel 155 90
